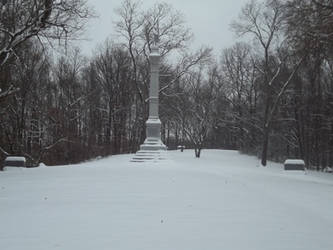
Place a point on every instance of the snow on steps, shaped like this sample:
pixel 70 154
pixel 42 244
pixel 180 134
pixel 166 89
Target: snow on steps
pixel 150 156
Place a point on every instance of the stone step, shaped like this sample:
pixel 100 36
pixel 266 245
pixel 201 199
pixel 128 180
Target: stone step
pixel 153 155
pixel 149 156
pixel 151 152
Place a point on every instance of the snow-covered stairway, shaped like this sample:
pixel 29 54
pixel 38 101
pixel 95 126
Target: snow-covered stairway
pixel 150 156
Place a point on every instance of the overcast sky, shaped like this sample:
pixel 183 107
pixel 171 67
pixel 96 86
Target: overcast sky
pixel 209 20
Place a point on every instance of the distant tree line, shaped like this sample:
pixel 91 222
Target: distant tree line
pixel 271 96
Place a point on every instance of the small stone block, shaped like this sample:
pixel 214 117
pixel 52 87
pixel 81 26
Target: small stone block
pixel 294 164
pixel 14 161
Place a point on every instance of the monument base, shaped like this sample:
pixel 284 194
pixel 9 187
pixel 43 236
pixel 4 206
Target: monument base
pixel 150 156
pixel 153 144
pixel 153 149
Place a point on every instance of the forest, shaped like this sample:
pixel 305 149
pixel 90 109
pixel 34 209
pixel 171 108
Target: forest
pixel 269 95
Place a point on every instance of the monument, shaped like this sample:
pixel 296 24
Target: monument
pixel 153 148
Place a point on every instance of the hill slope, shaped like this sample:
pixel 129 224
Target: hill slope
pixel 221 201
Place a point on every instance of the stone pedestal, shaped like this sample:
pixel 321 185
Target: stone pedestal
pixel 153 148
pixel 294 164
pixel 153 140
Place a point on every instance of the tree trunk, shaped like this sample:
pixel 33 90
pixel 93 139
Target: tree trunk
pixel 176 135
pixel 197 151
pixel 266 127
pixel 265 146
pixel 168 135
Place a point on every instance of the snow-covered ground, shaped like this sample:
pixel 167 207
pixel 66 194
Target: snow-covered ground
pixel 220 201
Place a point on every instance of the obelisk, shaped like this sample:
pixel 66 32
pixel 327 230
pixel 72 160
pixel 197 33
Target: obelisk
pixel 153 146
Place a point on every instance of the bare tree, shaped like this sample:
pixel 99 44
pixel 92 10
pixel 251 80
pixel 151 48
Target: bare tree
pixel 309 24
pixel 130 28
pixel 113 74
pixel 138 29
pixel 240 77
pixel 309 28
pixel 45 20
pixel 324 3
pixel 51 19
pixel 194 107
pixel 264 20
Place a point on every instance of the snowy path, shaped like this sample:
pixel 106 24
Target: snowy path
pixel 221 201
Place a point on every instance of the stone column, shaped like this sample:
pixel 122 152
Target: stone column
pixel 153 124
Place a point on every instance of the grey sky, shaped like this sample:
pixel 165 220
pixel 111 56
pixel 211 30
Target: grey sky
pixel 209 20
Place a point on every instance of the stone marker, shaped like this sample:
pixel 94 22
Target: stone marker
pixel 14 161
pixel 294 164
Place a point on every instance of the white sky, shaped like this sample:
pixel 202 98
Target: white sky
pixel 209 20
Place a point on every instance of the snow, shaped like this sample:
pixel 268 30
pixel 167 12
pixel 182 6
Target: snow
pixel 15 158
pixel 294 162
pixel 328 170
pixel 223 200
pixel 41 165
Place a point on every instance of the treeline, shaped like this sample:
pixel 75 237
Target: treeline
pixel 271 96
